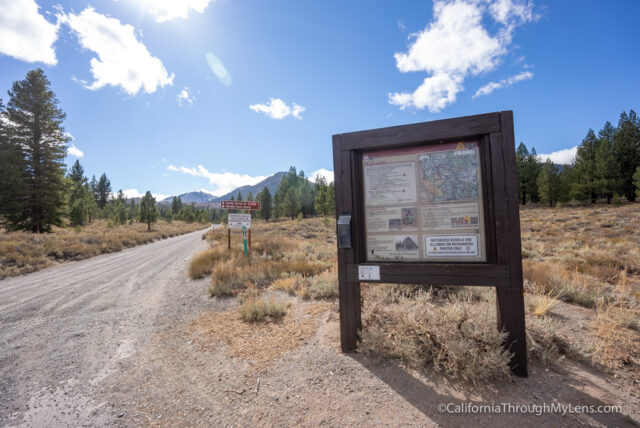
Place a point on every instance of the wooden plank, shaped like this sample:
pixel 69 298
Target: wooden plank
pixel 500 207
pixel 436 274
pixel 510 307
pixel 487 192
pixel 461 127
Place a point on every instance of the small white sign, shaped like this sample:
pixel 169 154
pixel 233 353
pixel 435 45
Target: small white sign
pixel 369 273
pixel 451 245
pixel 238 221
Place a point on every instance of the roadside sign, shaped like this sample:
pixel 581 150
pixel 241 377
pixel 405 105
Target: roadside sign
pixel 240 205
pixel 239 221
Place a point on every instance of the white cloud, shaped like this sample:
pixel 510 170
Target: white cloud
pixel 455 45
pixel 278 109
pixel 122 59
pixel 25 34
pixel 74 151
pixel 564 157
pixel 166 10
pixel 185 96
pixel 223 182
pixel 134 193
pixel 492 86
pixel 322 172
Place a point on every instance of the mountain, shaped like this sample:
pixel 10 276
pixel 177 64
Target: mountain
pixel 192 198
pixel 271 183
pixel 206 199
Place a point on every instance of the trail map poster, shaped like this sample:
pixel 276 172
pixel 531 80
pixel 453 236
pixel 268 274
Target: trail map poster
pixel 424 204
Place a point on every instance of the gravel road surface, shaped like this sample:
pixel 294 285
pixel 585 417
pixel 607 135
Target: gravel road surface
pixel 66 329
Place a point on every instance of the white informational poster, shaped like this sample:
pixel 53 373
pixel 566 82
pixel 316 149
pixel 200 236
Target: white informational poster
pixel 424 203
pixel 390 183
pixel 393 247
pixel 238 221
pixel 392 219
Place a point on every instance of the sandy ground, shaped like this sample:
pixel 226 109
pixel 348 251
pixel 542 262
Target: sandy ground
pixel 126 339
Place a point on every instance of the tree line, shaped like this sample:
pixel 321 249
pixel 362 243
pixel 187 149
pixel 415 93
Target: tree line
pixel 37 193
pixel 606 166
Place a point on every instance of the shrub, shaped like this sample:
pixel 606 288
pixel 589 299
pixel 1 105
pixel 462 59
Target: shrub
pixel 257 310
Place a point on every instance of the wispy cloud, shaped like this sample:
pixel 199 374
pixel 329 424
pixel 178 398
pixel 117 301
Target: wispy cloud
pixel 167 10
pixel 134 193
pixel 278 109
pixel 322 172
pixel 564 157
pixel 25 34
pixel 185 97
pixel 122 60
pixel 224 182
pixel 492 86
pixel 456 45
pixel 74 151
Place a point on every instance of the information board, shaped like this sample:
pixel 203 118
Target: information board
pixel 238 221
pixel 424 204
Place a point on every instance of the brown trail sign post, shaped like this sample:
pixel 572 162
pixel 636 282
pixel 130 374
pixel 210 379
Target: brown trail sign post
pixel 432 203
pixel 239 221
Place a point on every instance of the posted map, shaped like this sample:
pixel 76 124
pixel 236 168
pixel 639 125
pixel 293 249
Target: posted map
pixel 449 176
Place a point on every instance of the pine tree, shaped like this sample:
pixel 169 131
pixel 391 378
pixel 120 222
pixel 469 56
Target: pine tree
pixel 549 183
pixel 264 197
pixel 585 187
pixel 636 181
pixel 291 203
pixel 176 205
pixel 103 190
pixel 605 163
pixel 148 211
pixel 626 147
pixel 522 155
pixel 239 196
pixel 34 124
pixel 250 197
pixel 12 194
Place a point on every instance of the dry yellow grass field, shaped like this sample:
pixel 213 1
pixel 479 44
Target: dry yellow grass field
pixel 582 284
pixel 24 252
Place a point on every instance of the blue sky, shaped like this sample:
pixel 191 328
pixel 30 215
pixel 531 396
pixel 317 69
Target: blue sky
pixel 145 105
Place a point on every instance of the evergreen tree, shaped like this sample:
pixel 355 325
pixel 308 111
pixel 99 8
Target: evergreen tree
pixel 528 167
pixel 522 155
pixel 103 190
pixel 34 125
pixel 119 215
pixel 626 148
pixel 250 197
pixel 636 181
pixel 148 212
pixel 585 186
pixel 239 196
pixel 176 205
pixel 549 185
pixel 605 163
pixel 291 205
pixel 12 193
pixel 264 197
pixel 77 173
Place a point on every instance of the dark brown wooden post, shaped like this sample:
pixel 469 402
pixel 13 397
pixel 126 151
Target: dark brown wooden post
pixel 228 233
pixel 350 321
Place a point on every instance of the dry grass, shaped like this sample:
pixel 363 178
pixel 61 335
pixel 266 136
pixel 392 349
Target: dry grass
pixel 23 252
pixel 581 267
pixel 259 343
pixel 260 309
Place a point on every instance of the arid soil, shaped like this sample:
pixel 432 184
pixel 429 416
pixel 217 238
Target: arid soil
pixel 126 339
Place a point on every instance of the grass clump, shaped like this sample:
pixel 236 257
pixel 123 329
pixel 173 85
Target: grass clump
pixel 455 336
pixel 259 309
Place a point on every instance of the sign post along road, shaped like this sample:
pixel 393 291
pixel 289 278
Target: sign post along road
pixel 432 203
pixel 237 220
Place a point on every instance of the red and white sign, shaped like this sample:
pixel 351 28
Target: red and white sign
pixel 240 205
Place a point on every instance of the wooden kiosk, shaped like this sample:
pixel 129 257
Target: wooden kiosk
pixel 432 203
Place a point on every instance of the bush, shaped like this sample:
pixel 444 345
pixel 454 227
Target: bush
pixel 257 310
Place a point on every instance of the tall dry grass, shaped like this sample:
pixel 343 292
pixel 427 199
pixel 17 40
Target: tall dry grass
pixel 24 252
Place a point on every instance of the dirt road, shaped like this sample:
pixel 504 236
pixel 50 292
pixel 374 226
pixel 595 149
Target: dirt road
pixel 66 329
pixel 117 340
